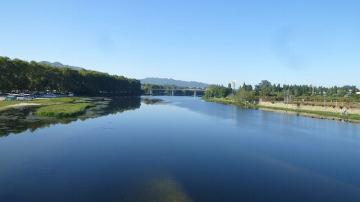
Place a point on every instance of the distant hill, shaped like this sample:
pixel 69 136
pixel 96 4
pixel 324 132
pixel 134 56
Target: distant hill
pixel 59 65
pixel 165 81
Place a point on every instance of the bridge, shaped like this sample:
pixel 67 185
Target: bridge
pixel 172 91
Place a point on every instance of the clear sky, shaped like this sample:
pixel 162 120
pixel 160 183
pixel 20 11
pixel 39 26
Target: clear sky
pixel 298 42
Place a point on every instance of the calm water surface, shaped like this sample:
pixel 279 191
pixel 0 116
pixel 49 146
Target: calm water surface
pixel 181 150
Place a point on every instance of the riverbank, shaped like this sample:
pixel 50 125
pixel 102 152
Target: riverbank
pixel 52 107
pixel 231 102
pixel 33 116
pixel 5 105
pixel 340 114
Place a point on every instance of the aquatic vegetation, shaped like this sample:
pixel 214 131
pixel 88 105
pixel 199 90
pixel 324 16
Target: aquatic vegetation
pixel 56 100
pixel 5 105
pixel 63 110
pixel 151 100
pixel 8 103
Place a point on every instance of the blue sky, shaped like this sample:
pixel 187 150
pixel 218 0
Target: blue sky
pixel 298 42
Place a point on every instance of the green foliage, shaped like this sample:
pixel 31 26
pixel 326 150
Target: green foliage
pixel 232 102
pixel 7 103
pixel 217 91
pixel 21 75
pixel 354 117
pixel 56 100
pixel 273 92
pixel 264 89
pixel 63 110
pixel 245 94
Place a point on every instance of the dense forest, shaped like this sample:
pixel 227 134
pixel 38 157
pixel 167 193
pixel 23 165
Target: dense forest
pixel 36 77
pixel 275 92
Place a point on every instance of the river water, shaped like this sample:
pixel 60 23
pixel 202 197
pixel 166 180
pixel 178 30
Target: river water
pixel 181 149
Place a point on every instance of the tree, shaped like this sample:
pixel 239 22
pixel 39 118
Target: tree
pixel 245 94
pixel 264 88
pixel 217 91
pixel 21 75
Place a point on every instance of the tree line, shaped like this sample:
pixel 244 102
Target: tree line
pixel 35 77
pixel 275 92
pixel 167 90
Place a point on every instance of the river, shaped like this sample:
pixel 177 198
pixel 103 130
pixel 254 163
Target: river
pixel 181 149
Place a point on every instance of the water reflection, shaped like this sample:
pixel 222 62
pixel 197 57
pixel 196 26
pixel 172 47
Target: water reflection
pixel 183 149
pixel 151 101
pixel 253 120
pixel 19 120
pixel 159 189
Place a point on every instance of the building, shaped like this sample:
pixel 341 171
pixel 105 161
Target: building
pixel 10 98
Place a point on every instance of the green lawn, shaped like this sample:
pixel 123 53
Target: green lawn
pixel 63 110
pixel 7 103
pixel 48 101
pixel 55 107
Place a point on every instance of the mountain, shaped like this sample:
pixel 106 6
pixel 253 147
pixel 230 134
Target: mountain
pixel 165 81
pixel 59 65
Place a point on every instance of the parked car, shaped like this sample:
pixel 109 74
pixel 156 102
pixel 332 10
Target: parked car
pixel 23 96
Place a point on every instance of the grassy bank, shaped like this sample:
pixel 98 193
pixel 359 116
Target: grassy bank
pixel 52 107
pixel 232 102
pixel 46 101
pixel 61 100
pixel 63 110
pixel 8 103
pixel 310 113
pixel 62 107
